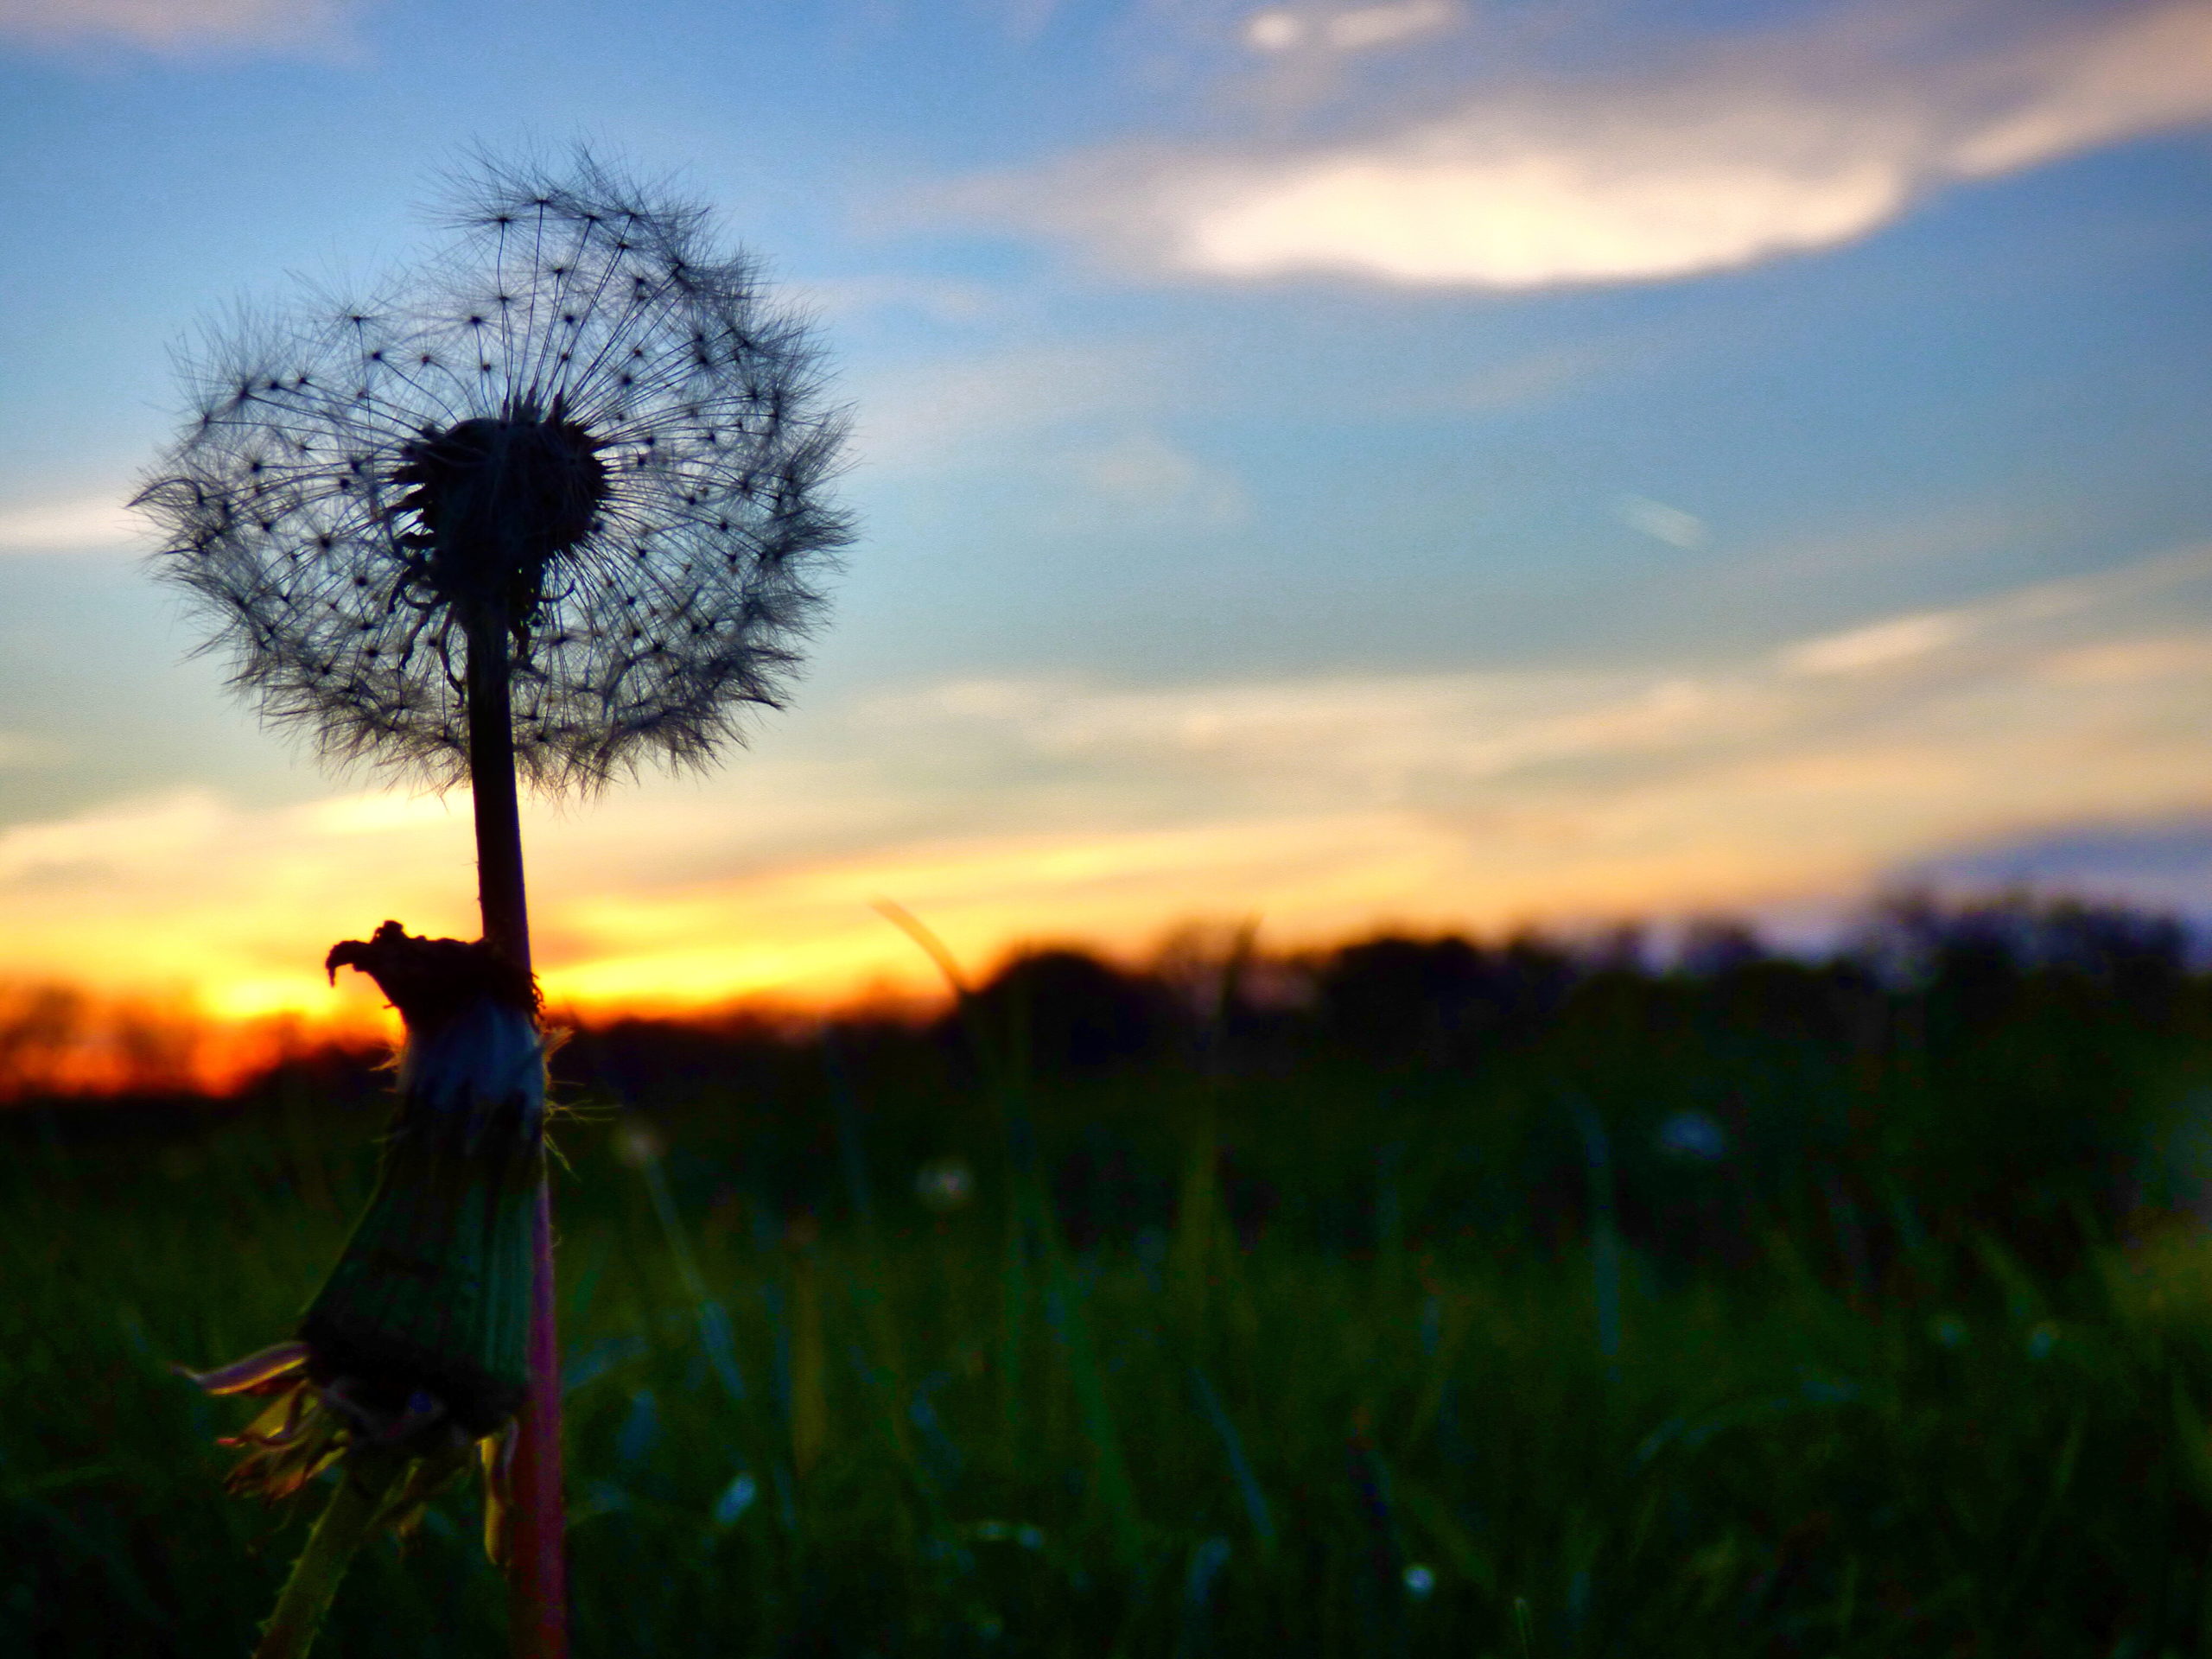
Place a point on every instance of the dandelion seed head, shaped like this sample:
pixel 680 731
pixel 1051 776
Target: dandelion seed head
pixel 562 419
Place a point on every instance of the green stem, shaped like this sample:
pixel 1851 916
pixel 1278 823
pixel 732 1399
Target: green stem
pixel 345 1524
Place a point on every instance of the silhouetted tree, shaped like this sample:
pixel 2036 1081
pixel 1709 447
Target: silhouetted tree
pixel 1074 1013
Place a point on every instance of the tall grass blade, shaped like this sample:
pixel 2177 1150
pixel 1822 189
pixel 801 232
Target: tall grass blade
pixel 1604 1232
pixel 1240 1466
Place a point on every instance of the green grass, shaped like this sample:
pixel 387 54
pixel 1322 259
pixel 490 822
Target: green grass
pixel 960 1435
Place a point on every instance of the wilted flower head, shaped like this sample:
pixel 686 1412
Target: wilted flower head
pixel 413 1353
pixel 581 427
pixel 309 1424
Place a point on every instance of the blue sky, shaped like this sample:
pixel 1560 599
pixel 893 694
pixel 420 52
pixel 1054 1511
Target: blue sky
pixel 1423 462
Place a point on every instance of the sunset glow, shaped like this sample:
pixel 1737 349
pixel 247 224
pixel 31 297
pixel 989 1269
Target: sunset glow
pixel 1487 802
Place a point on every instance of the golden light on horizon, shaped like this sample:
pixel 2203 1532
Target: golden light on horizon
pixel 1320 810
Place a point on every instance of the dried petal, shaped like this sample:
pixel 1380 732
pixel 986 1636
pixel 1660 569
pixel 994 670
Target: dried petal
pixel 273 1367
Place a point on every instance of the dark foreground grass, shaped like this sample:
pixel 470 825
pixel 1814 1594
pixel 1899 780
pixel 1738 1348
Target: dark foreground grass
pixel 959 1434
pixel 1491 1302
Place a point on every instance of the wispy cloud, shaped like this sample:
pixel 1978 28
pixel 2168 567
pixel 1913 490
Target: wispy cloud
pixel 922 414
pixel 178 26
pixel 1879 645
pixel 1149 482
pixel 1079 416
pixel 1346 28
pixel 1751 149
pixel 78 522
pixel 1676 526
pixel 2158 863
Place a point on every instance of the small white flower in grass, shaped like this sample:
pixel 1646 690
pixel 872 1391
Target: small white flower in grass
pixel 637 1144
pixel 736 1498
pixel 1420 1581
pixel 945 1184
pixel 1694 1138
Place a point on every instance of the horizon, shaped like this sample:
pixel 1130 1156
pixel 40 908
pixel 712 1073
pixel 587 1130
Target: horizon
pixel 60 1042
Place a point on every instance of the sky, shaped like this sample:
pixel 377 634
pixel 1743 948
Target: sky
pixel 1429 463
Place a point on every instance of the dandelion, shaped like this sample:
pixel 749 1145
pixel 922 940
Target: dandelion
pixel 551 507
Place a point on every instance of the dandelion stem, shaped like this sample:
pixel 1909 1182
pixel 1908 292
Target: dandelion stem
pixel 537 1574
pixel 499 890
pixel 343 1526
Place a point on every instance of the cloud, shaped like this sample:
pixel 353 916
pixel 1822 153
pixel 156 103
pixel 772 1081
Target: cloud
pixel 1754 150
pixel 1812 766
pixel 1333 804
pixel 2162 864
pixel 1531 376
pixel 1009 809
pixel 175 25
pixel 1348 29
pixel 939 299
pixel 1880 645
pixel 1148 482
pixel 2145 70
pixel 1075 411
pixel 1673 525
pixel 925 413
pixel 96 521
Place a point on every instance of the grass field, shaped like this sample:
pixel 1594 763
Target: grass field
pixel 1334 1354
